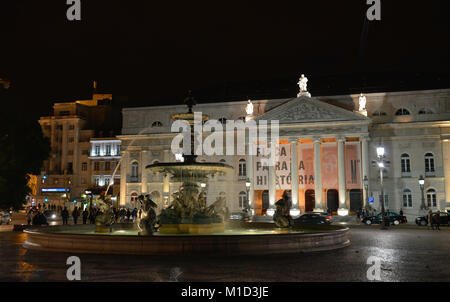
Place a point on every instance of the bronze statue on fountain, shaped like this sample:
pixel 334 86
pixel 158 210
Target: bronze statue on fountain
pixel 107 218
pixel 282 217
pixel 149 223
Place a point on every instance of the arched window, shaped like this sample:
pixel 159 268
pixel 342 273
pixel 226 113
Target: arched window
pixel 431 198
pixel 405 163
pixel 426 111
pixel 242 168
pixel 429 163
pixel 379 113
pixel 223 120
pixel 402 111
pixel 134 199
pixel 407 198
pixel 134 170
pixel 242 199
pixel 157 124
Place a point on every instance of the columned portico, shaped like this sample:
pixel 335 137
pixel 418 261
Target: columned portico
pixel 318 175
pixel 341 175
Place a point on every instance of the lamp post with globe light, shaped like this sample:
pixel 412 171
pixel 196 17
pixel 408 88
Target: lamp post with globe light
pixel 422 187
pixel 380 155
pixel 247 188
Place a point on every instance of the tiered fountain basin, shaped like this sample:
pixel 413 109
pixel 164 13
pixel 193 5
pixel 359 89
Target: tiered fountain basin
pixel 249 238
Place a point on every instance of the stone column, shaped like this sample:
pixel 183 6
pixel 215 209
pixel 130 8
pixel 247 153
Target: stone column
pixel 166 183
pixel 144 181
pixel 272 184
pixel 365 168
pixel 294 174
pixel 251 193
pixel 318 175
pixel 123 177
pixel 341 175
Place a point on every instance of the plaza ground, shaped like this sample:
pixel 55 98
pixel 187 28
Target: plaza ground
pixel 407 253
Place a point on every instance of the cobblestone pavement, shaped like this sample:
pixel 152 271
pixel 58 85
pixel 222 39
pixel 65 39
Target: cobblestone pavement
pixel 407 253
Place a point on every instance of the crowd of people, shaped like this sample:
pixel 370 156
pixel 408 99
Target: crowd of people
pixel 88 215
pixel 35 214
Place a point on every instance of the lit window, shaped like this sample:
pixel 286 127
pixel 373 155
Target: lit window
pixel 405 163
pixel 425 111
pixel 242 167
pixel 379 113
pixel 407 198
pixel 134 169
pixel 402 111
pixel 431 198
pixel 108 150
pixel 429 163
pixel 242 199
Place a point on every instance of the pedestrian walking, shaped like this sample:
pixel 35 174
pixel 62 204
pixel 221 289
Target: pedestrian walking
pixel 436 220
pixel 65 215
pixel 75 215
pixel 85 215
pixel 430 216
pixel 29 217
pixel 134 214
pixel 128 215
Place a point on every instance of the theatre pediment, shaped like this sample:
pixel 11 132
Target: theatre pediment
pixel 309 110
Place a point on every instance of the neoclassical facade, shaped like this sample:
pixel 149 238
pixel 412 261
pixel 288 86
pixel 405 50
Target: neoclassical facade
pixel 327 146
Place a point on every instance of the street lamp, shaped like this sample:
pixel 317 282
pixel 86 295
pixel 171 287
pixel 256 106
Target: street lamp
pixel 422 187
pixel 380 155
pixel 247 188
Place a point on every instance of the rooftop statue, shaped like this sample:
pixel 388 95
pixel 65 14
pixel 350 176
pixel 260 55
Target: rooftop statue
pixel 362 102
pixel 249 108
pixel 303 83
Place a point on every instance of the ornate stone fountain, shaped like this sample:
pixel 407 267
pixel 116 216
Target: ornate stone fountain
pixel 189 212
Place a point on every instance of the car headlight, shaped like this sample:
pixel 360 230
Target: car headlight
pixel 53 216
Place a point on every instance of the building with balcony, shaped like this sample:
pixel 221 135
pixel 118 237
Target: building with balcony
pixel 71 128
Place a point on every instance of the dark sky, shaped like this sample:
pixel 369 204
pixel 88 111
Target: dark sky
pixel 155 51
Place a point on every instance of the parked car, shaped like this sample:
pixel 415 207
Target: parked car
pixel 324 214
pixel 5 218
pixel 51 215
pixel 443 219
pixel 240 216
pixel 312 218
pixel 393 218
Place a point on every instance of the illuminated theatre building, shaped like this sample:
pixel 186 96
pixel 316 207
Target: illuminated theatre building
pixel 327 147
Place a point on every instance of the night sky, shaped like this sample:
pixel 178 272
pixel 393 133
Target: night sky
pixel 149 53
